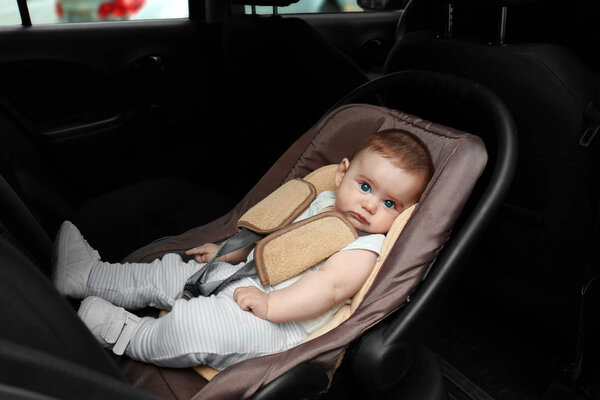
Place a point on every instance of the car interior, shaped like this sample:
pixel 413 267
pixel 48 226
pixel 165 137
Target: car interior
pixel 155 135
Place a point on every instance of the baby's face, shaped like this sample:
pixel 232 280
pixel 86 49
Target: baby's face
pixel 372 191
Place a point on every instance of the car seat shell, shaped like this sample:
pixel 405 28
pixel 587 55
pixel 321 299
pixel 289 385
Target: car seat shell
pixel 307 154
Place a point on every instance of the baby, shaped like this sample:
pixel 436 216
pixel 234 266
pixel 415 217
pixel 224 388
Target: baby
pixel 246 319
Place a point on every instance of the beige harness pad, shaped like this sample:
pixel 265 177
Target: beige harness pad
pixel 279 208
pixel 291 248
pixel 301 245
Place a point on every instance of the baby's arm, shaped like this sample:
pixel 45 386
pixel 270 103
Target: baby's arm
pixel 207 251
pixel 340 277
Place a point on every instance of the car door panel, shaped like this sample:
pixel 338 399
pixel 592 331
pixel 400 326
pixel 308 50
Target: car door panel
pixel 107 89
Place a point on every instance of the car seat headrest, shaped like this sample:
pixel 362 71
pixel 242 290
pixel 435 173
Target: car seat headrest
pixel 491 3
pixel 382 5
pixel 272 3
pixel 391 5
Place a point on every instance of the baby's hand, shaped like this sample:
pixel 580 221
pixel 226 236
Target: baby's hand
pixel 203 253
pixel 252 299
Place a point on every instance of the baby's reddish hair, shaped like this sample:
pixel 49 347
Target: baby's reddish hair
pixel 404 149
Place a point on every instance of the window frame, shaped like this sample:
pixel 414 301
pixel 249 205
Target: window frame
pixel 195 12
pixel 24 13
pixel 241 9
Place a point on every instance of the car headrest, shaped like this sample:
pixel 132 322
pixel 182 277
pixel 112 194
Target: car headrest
pixel 491 3
pixel 390 5
pixel 382 5
pixel 272 3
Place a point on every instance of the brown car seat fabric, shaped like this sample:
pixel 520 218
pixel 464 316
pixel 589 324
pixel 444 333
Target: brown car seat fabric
pixel 459 159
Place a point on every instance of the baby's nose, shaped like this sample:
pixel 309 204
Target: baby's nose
pixel 370 205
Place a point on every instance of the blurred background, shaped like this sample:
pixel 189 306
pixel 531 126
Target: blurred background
pixel 61 11
pixel 58 11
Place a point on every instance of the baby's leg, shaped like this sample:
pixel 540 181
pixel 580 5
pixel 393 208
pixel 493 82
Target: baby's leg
pixel 79 272
pixel 132 285
pixel 210 330
pixel 157 284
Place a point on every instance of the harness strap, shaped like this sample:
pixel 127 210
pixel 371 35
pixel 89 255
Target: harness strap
pixel 214 287
pixel 275 213
pixel 280 255
pixel 197 285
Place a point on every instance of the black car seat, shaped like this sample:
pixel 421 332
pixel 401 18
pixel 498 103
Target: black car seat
pixel 547 219
pixel 282 73
pixel 45 352
pixel 35 199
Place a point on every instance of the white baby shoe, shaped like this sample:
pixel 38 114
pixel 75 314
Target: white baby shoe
pixel 74 261
pixel 112 326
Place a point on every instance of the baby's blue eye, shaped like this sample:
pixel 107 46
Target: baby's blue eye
pixel 389 204
pixel 365 187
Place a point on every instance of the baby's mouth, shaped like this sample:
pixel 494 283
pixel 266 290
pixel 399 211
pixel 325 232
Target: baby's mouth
pixel 359 218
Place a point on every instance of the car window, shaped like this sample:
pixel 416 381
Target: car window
pixel 310 6
pixel 64 11
pixel 9 13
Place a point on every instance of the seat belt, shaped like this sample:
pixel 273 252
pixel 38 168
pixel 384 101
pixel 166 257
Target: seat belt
pixel 586 307
pixel 592 118
pixel 590 286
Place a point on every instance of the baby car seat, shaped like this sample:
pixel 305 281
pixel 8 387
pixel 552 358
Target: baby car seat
pixel 376 340
pixel 383 354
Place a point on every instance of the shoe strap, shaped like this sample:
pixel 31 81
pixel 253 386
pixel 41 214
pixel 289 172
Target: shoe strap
pixel 126 333
pixel 120 330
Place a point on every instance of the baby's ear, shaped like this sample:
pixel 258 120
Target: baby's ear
pixel 341 171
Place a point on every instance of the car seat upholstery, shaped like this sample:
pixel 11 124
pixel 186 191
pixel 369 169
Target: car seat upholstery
pixel 547 220
pixel 404 6
pixel 458 158
pixel 35 199
pixel 282 73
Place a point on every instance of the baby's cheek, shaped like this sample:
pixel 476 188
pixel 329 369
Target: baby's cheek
pixel 390 220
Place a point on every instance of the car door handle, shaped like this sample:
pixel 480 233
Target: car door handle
pixel 150 63
pixel 373 48
pixel 78 128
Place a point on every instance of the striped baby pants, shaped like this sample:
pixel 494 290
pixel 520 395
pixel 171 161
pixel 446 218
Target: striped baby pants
pixel 210 330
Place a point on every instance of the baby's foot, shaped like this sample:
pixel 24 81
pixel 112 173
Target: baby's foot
pixel 112 326
pixel 74 261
